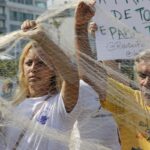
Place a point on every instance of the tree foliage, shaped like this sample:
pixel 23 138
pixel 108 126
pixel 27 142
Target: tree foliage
pixel 8 68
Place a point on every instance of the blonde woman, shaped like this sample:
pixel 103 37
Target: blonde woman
pixel 40 99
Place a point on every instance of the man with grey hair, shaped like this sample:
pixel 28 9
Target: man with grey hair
pixel 142 68
pixel 130 107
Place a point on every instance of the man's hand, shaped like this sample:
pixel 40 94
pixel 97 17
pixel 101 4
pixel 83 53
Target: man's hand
pixel 92 27
pixel 84 12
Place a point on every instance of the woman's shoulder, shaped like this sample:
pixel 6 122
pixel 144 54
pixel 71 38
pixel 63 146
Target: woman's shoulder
pixel 87 95
pixel 84 87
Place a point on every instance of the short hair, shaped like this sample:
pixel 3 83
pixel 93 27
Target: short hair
pixel 143 56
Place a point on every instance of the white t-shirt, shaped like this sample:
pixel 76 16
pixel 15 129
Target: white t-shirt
pixel 95 128
pixel 50 118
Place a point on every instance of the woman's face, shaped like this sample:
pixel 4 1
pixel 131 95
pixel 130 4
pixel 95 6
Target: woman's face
pixel 36 72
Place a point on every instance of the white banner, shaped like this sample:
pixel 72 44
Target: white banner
pixel 123 28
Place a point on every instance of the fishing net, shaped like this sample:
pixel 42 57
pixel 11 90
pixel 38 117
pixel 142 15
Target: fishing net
pixel 110 113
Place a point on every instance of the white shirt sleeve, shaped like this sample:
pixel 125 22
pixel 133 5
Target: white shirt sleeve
pixel 87 100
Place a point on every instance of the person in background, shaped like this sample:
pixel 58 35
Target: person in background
pixel 92 28
pixel 7 89
pixel 111 64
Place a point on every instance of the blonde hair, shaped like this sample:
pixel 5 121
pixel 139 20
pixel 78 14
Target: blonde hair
pixel 22 91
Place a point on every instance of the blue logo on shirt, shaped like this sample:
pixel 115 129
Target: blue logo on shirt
pixel 42 119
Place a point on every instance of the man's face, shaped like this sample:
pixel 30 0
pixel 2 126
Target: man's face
pixel 143 73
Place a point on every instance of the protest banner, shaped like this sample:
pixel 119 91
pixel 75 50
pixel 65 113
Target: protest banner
pixel 123 28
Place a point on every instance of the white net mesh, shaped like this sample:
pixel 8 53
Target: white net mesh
pixel 38 101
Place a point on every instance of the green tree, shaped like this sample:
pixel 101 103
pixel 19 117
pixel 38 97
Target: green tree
pixel 8 68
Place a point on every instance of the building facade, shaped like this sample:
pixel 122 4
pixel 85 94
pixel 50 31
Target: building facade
pixel 14 12
pixel 59 2
pixel 2 16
